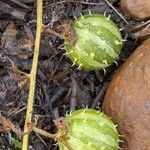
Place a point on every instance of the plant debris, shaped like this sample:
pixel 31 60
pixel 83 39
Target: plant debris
pixel 7 125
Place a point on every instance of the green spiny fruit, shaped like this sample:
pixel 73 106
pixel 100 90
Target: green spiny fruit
pixel 93 42
pixel 88 129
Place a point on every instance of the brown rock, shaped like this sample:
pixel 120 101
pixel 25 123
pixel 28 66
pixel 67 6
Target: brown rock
pixel 138 9
pixel 127 99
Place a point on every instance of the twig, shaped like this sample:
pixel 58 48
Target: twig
pixel 47 99
pixel 99 96
pixel 73 97
pixel 71 1
pixel 116 11
pixel 139 26
pixel 32 77
pixel 21 4
pixel 40 138
pixel 7 8
pixel 55 69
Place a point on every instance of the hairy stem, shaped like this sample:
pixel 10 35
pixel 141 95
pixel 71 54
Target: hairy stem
pixel 32 77
pixel 44 133
pixel 58 138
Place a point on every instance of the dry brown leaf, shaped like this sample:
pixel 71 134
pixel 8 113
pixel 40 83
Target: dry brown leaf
pixel 7 125
pixel 17 42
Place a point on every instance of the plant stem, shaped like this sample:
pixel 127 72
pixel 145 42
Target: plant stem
pixel 49 30
pixel 58 138
pixel 44 133
pixel 32 77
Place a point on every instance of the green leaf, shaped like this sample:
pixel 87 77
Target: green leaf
pixel 17 143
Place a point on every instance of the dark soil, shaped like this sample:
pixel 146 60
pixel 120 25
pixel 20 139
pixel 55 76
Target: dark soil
pixel 60 87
